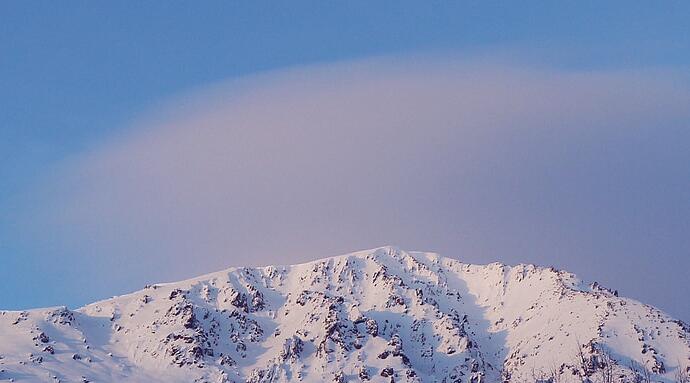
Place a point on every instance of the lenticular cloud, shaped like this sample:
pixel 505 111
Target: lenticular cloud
pixel 484 160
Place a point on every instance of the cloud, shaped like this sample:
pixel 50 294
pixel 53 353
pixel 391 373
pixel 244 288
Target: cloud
pixel 481 160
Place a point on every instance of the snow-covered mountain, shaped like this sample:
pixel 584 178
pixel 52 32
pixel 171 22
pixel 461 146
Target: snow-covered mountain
pixel 380 315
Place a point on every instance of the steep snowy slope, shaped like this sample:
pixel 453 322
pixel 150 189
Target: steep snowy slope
pixel 380 315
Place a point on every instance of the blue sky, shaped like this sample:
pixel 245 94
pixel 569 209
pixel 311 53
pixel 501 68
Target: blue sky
pixel 76 76
pixel 75 71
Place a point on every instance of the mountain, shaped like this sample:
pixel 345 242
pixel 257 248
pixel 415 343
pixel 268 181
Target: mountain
pixel 380 315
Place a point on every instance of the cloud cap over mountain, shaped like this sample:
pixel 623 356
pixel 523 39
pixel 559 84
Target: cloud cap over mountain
pixel 483 160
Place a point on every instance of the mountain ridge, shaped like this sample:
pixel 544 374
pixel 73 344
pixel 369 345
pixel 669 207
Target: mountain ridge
pixel 374 315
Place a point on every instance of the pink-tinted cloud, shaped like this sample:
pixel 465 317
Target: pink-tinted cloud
pixel 481 160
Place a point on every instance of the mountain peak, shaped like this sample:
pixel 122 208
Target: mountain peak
pixel 383 314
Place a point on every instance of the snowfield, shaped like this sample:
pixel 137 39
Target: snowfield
pixel 382 315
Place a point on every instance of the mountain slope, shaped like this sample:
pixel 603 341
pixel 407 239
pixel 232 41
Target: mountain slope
pixel 379 315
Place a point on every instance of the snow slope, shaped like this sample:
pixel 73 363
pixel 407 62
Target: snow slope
pixel 380 315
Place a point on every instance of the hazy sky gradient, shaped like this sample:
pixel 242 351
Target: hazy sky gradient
pixel 142 150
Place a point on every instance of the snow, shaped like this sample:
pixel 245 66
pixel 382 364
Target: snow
pixel 418 316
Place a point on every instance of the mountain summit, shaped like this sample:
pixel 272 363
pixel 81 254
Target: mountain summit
pixel 382 315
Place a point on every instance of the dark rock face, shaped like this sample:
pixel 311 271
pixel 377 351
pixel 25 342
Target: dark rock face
pixel 372 327
pixel 363 374
pixel 292 349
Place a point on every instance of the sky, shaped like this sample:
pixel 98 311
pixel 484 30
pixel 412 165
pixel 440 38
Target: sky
pixel 142 142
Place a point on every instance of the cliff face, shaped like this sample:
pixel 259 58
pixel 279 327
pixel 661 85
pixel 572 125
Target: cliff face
pixel 379 315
